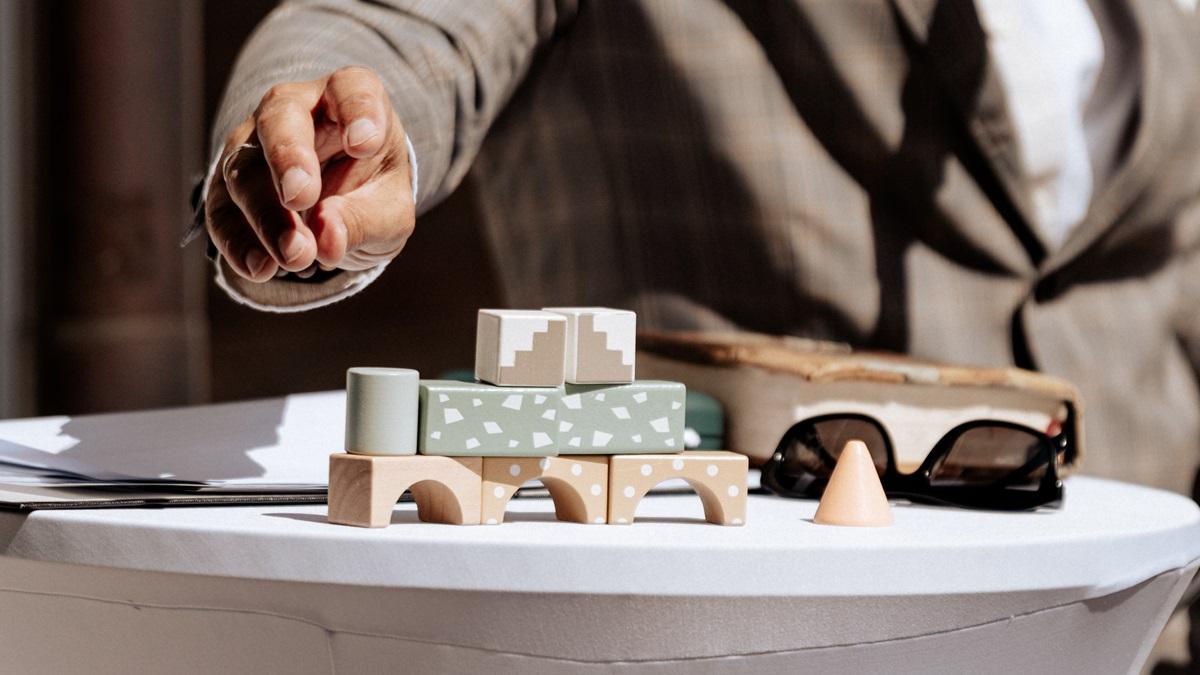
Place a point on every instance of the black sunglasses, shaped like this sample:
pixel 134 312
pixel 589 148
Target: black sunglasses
pixel 983 464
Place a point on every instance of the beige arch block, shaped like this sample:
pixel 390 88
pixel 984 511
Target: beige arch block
pixel 363 489
pixel 578 485
pixel 718 476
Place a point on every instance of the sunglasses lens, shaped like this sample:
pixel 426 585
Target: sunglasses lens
pixel 994 455
pixel 813 448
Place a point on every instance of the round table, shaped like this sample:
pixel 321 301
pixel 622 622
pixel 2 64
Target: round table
pixel 277 589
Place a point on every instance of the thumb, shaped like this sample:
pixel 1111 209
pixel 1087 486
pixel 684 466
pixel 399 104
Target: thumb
pixel 366 226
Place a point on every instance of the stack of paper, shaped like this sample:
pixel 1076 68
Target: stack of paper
pixel 276 448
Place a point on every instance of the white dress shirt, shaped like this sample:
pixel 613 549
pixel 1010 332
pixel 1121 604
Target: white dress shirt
pixel 1071 79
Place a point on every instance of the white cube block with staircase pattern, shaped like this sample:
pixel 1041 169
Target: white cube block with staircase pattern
pixel 601 343
pixel 520 348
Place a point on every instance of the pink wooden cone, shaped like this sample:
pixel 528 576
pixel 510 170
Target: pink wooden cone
pixel 854 495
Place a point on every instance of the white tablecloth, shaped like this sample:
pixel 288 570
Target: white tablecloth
pixel 1085 589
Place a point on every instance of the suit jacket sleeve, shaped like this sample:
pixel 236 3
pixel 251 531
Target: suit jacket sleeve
pixel 449 68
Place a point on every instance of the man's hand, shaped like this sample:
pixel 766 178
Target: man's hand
pixel 319 174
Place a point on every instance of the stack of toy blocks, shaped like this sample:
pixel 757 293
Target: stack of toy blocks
pixel 556 402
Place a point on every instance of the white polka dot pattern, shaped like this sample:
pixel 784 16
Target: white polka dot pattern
pixel 586 476
pixel 719 476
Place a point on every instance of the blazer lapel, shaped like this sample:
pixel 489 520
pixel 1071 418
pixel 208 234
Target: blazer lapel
pixel 950 39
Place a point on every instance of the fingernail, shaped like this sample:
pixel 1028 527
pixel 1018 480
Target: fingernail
pixel 291 245
pixel 361 131
pixel 294 180
pixel 255 261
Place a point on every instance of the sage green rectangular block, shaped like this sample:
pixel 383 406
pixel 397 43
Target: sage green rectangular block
pixel 618 419
pixel 467 419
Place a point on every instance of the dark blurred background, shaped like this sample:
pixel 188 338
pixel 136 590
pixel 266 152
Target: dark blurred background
pixel 105 107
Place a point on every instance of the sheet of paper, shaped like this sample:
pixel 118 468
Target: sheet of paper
pixel 280 441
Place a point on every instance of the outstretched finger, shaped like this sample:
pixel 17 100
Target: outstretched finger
pixel 233 236
pixel 279 230
pixel 355 99
pixel 286 131
pixel 366 226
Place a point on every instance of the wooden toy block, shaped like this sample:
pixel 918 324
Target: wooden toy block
pixel 719 477
pixel 644 417
pixel 475 419
pixel 601 343
pixel 578 485
pixel 381 411
pixel 364 489
pixel 520 348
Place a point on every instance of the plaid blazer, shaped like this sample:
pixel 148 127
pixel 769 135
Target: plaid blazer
pixel 839 169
